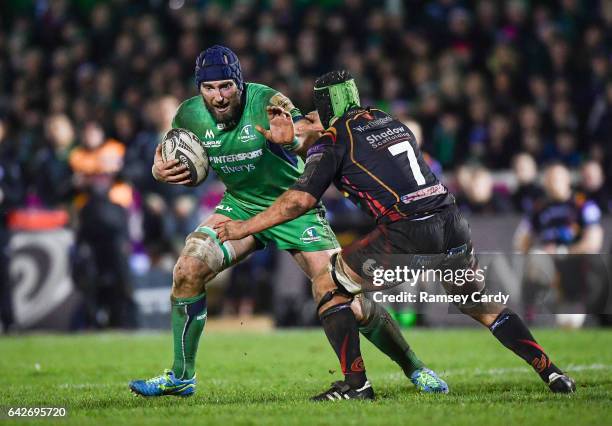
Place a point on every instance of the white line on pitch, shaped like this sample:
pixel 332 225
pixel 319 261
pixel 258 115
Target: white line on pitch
pixel 502 371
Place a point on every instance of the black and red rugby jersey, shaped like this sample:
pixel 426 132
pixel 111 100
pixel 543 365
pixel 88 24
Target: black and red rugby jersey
pixel 374 160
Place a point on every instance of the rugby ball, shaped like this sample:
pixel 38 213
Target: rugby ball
pixel 182 145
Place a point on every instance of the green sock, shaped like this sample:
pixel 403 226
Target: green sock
pixel 188 319
pixel 382 330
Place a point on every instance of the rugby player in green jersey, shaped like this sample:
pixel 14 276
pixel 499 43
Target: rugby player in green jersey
pixel 229 116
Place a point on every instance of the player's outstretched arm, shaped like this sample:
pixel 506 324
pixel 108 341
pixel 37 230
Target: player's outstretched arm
pixel 288 206
pixel 169 171
pixel 319 171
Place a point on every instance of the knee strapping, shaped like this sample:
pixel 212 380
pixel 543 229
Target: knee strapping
pixel 341 278
pixel 203 244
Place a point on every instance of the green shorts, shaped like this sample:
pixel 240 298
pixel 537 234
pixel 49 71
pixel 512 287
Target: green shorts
pixel 309 232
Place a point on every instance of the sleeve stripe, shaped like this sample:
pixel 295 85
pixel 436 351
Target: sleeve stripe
pixel 332 134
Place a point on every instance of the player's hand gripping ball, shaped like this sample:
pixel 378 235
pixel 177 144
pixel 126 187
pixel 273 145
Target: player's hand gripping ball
pixel 184 146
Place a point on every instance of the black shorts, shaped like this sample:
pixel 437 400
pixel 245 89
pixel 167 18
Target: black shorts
pixel 441 241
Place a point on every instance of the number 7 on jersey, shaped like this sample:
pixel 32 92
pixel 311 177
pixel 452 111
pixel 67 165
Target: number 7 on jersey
pixel 397 149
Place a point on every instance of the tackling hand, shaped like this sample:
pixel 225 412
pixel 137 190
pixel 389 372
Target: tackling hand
pixel 169 171
pixel 231 230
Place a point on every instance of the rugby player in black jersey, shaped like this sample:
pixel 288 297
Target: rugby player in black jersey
pixel 375 161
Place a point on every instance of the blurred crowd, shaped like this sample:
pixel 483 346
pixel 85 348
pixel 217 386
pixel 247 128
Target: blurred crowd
pixel 494 89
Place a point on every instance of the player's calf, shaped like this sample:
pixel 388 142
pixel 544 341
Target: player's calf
pixel 341 329
pixel 382 331
pixel 201 259
pixel 188 312
pixel 504 324
pixel 511 331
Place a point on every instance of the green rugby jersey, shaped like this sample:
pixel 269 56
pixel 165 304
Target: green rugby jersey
pixel 254 171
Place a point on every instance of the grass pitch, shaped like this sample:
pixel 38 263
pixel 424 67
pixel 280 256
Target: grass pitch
pixel 250 378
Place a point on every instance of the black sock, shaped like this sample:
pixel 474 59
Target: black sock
pixel 512 332
pixel 341 329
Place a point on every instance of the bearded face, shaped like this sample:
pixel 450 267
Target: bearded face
pixel 222 99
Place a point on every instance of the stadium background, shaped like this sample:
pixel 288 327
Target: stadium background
pixel 88 87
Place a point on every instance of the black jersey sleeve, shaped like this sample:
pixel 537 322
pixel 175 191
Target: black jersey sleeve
pixel 323 162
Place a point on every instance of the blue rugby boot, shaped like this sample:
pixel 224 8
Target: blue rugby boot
pixel 166 384
pixel 427 381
